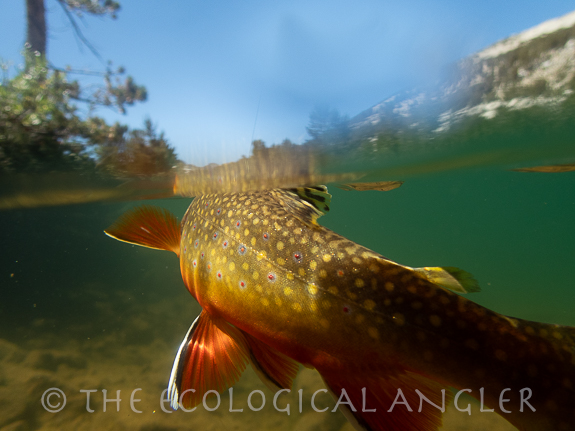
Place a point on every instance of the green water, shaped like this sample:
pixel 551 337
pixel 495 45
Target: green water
pixel 81 311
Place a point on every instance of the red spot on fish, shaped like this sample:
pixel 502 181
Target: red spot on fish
pixel 238 223
pixel 209 266
pixel 340 273
pixel 195 263
pixel 297 257
pixel 225 244
pixel 266 236
pixel 271 277
pixel 219 274
pixel 219 210
pixel 194 227
pixel 196 243
pixel 215 235
pixel 242 284
pixel 242 249
pixel 202 255
pixel 345 310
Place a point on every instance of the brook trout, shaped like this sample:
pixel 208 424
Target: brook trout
pixel 278 289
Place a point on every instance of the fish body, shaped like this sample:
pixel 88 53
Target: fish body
pixel 277 288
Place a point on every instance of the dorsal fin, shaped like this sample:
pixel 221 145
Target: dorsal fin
pixel 305 203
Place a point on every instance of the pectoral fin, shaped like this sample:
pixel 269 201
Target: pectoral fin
pixel 274 369
pixel 212 356
pixel 148 226
pixel 451 278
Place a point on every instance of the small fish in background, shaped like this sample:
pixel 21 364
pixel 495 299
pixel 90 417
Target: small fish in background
pixel 278 290
pixel 382 186
pixel 550 169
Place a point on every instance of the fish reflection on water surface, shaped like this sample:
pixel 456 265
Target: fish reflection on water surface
pixel 278 289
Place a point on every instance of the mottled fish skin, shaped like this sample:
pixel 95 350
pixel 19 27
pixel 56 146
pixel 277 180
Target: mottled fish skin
pixel 326 302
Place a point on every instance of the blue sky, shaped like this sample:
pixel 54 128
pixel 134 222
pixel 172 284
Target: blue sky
pixel 208 65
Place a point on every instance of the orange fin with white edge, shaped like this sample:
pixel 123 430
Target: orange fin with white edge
pixel 396 390
pixel 148 226
pixel 212 356
pixel 274 369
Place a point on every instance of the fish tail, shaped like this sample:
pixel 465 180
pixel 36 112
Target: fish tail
pixel 397 400
pixel 148 226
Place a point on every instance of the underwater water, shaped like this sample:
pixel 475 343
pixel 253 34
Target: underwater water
pixel 80 311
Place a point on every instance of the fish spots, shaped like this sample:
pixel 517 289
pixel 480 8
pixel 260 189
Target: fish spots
pixel 323 273
pixel 296 307
pixel 369 304
pixel 333 290
pixel 313 265
pixel 359 319
pixel 266 236
pixel 326 257
pixel 281 261
pixel 312 288
pixel 242 249
pixel 444 300
pixel 557 335
pixel 374 268
pixel 246 232
pixel 435 320
pixel 472 344
pixel 373 332
pixel 359 282
pixel 288 291
pixel 351 295
pixel 398 319
pixel 412 289
pixel 256 221
pixel 501 355
pixel 297 257
pixel 389 286
pixel 301 272
pixel 280 245
pixel 529 330
pixel 314 250
pixel 290 276
pixel 225 244
pixel 324 323
pixel 232 266
pixel 261 255
pixel 317 238
pixel 230 213
pixel 417 305
pixel 265 302
pixel 253 241
pixel 326 304
pixel 271 277
pixel 350 250
pixel 356 260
